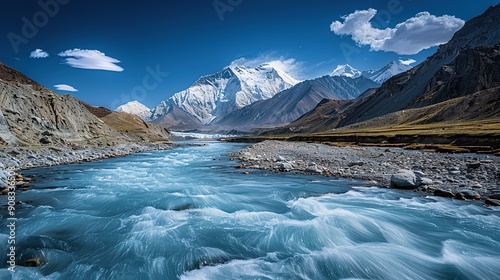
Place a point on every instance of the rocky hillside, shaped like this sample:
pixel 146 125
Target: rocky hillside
pixel 465 71
pixel 467 64
pixel 34 115
pixel 130 126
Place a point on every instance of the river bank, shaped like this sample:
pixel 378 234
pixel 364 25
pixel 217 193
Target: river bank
pixel 19 158
pixel 462 176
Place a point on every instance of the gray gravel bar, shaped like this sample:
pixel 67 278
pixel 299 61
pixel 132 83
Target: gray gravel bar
pixel 462 176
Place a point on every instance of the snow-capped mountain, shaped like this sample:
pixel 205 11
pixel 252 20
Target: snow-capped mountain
pixel 346 70
pixel 292 103
pixel 379 76
pixel 392 69
pixel 136 108
pixel 216 95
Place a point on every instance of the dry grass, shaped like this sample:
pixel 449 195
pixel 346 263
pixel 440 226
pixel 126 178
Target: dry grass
pixel 472 128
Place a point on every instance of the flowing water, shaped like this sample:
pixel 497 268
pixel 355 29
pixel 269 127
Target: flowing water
pixel 188 213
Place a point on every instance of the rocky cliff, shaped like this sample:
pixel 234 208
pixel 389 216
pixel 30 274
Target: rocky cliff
pixel 34 115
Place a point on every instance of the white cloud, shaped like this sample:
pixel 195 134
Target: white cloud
pixel 64 87
pixel 289 65
pixel 39 53
pixel 90 59
pixel 409 37
pixel 409 61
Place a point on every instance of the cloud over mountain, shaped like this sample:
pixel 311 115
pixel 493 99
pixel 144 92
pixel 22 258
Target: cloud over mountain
pixel 90 59
pixel 287 65
pixel 409 37
pixel 64 87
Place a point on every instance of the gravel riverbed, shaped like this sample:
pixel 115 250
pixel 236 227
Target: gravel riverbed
pixel 461 176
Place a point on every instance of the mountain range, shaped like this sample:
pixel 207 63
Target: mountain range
pixel 214 96
pixel 379 76
pixel 460 82
pixel 290 104
pixel 244 98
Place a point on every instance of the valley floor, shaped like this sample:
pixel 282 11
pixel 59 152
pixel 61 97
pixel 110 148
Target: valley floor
pixel 470 176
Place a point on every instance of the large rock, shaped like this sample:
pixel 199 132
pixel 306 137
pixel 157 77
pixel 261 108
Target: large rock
pixel 467 194
pixel 405 179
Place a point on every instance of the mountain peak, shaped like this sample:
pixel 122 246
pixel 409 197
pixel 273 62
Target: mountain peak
pixel 391 69
pixel 216 95
pixel 346 70
pixel 135 107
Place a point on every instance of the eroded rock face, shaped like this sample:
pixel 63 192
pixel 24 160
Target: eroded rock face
pixel 31 114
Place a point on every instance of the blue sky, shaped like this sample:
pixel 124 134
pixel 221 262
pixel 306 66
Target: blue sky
pixel 163 47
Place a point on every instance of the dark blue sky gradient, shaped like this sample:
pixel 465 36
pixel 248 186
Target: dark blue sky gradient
pixel 188 39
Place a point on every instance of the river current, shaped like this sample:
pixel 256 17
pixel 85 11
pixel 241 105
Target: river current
pixel 188 213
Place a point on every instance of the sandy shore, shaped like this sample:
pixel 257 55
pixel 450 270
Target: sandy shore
pixel 463 176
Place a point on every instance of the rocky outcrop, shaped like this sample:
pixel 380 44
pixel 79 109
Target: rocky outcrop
pixel 31 114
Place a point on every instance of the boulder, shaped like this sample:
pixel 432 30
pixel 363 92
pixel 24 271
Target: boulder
pixel 444 193
pixel 280 158
pixel 467 194
pixel 405 179
pixel 285 166
pixel 492 202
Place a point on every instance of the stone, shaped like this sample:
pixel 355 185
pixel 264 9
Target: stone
pixel 443 193
pixel 474 165
pixel 355 163
pixel 371 182
pixel 425 181
pixel 285 166
pixel 404 179
pixel 313 170
pixel 492 202
pixel 280 158
pixel 454 172
pixel 467 194
pixel 495 196
pixel 34 262
pixel 45 140
pixel 419 173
